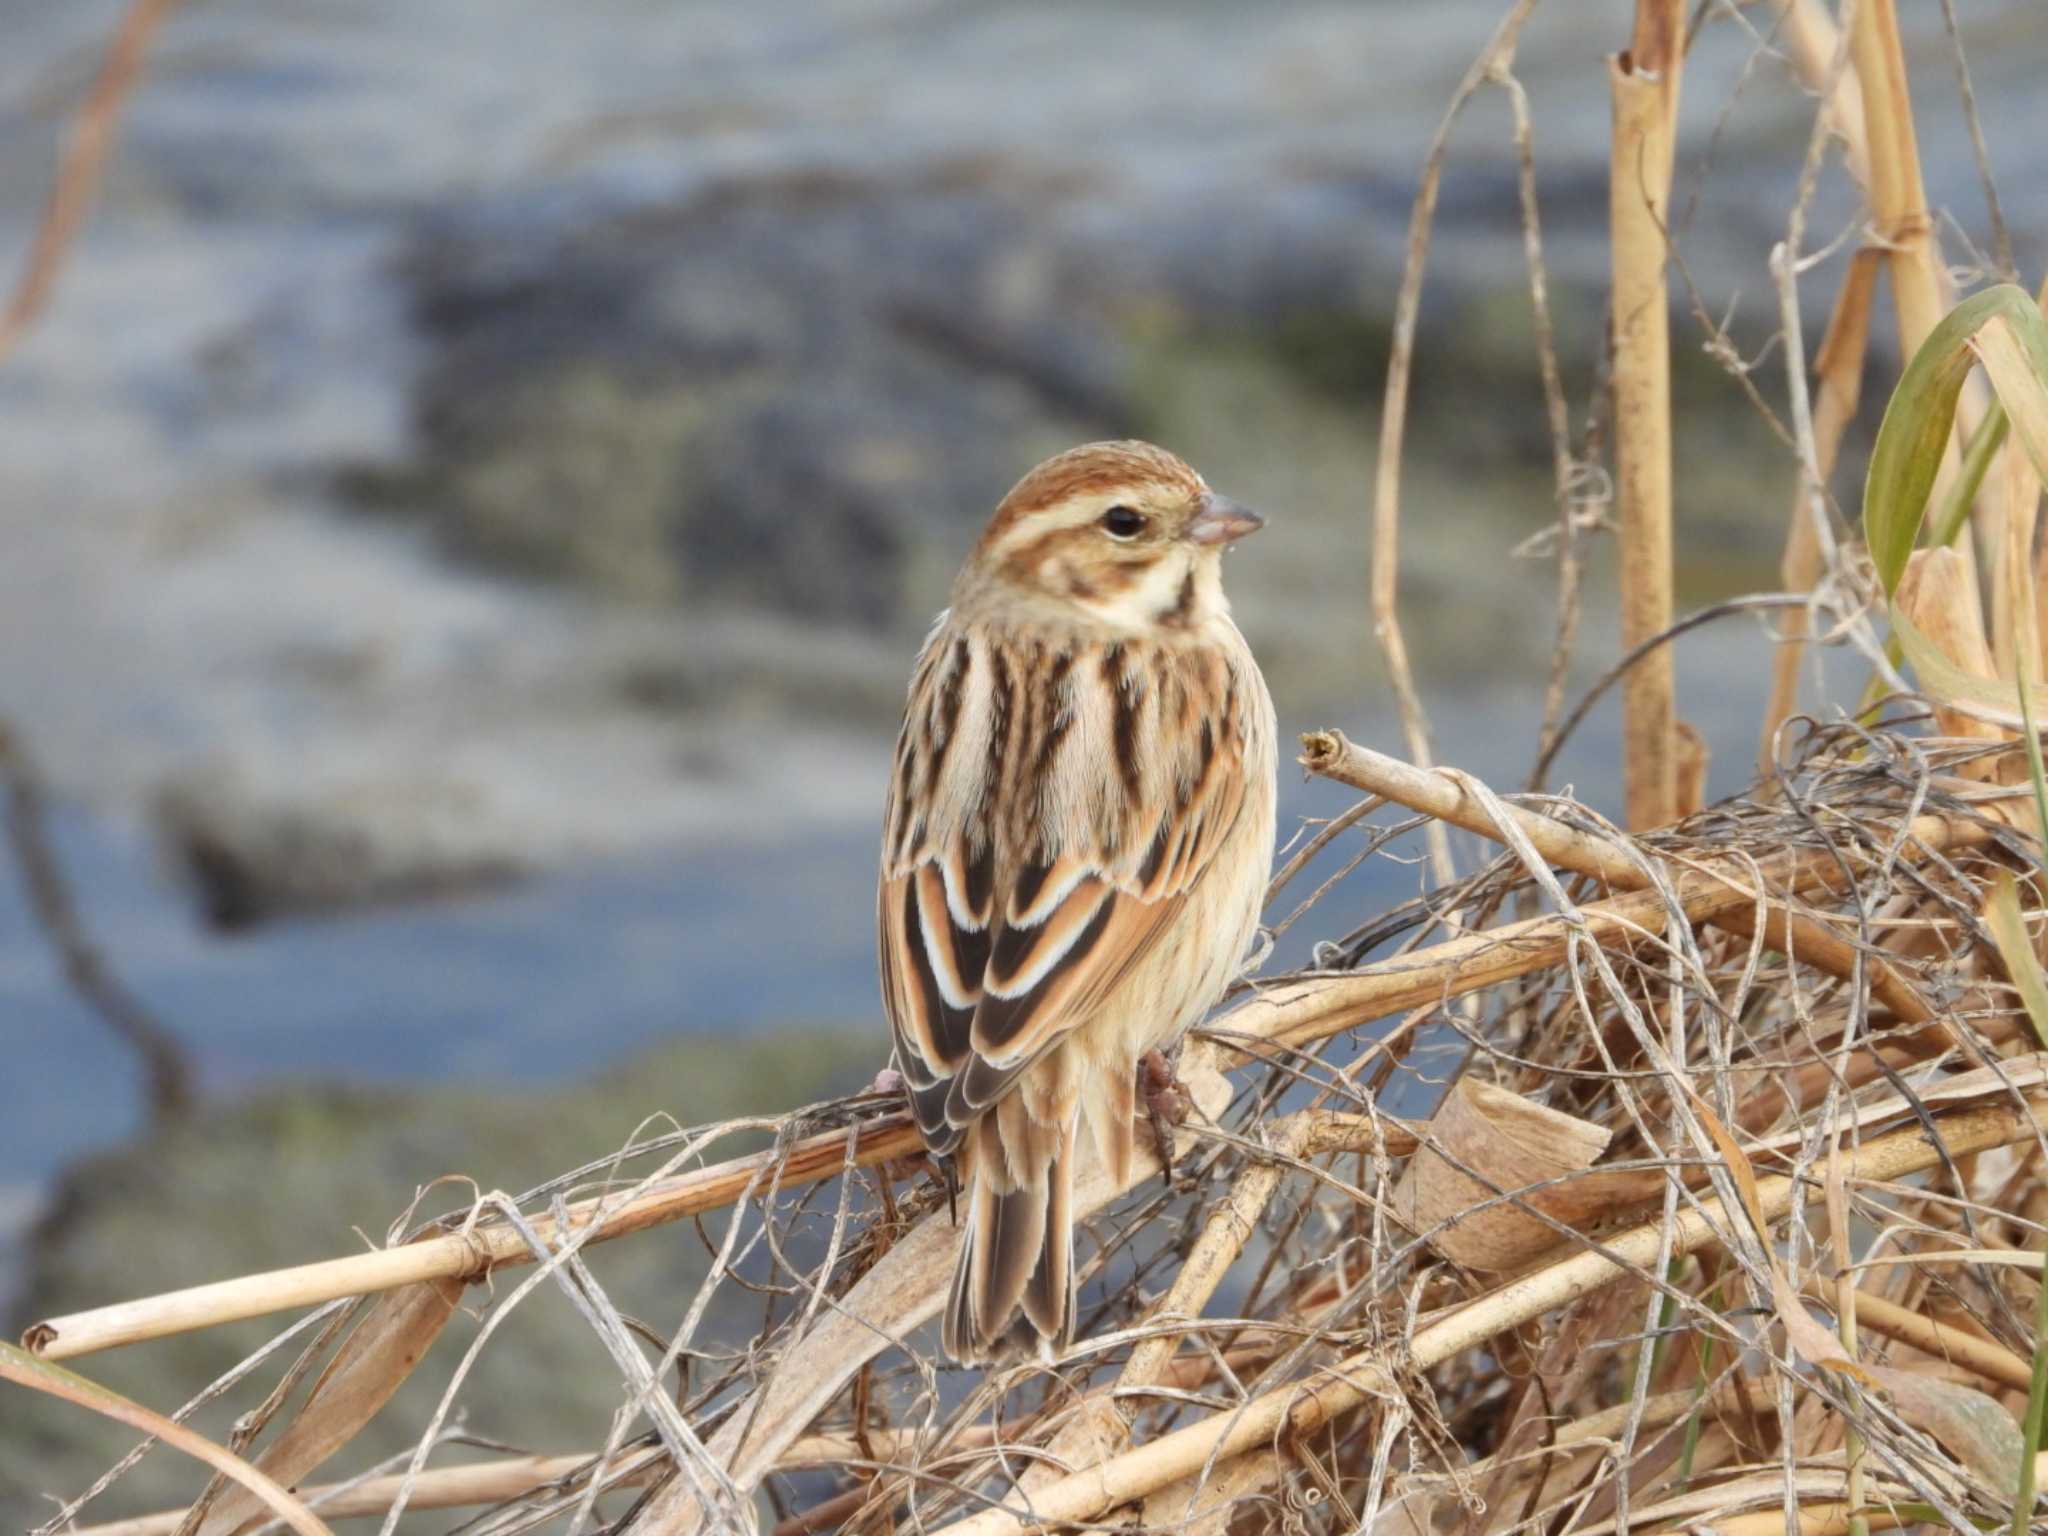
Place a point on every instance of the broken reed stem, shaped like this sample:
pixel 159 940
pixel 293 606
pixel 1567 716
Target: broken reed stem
pixel 1644 82
pixel 1290 1014
pixel 1300 1012
pixel 464 1255
pixel 1442 793
pixel 1839 365
pixel 1299 1408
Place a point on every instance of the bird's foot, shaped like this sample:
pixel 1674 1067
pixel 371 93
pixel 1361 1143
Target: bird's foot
pixel 1166 1105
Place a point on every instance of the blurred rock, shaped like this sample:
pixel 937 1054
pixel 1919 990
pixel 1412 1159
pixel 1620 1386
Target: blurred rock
pixel 745 316
pixel 250 857
pixel 786 392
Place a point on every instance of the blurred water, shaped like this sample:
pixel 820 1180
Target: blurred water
pixel 575 970
pixel 542 981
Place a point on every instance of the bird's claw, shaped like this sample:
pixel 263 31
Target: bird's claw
pixel 1166 1105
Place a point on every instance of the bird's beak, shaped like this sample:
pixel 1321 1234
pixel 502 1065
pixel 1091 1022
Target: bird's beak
pixel 1222 521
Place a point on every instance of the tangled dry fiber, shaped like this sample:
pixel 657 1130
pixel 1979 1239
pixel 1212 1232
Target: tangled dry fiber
pixel 1736 1139
pixel 1729 1203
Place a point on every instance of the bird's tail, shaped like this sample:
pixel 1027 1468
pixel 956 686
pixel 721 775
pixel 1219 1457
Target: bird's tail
pixel 1019 1251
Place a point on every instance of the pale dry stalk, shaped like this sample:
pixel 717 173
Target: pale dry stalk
pixel 1442 793
pixel 1987 1358
pixel 1811 39
pixel 1898 200
pixel 1287 1014
pixel 1299 1408
pixel 1898 206
pixel 504 1479
pixel 462 1255
pixel 485 1482
pixel 1644 82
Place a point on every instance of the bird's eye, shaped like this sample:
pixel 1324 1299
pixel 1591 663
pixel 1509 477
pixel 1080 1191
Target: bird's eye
pixel 1122 523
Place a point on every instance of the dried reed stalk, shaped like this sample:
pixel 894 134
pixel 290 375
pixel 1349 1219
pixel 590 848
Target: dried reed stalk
pixel 1447 794
pixel 1287 1014
pixel 466 1255
pixel 484 1482
pixel 1898 200
pixel 1301 1012
pixel 1989 1359
pixel 1903 227
pixel 1812 41
pixel 24 1370
pixel 1298 1409
pixel 1644 82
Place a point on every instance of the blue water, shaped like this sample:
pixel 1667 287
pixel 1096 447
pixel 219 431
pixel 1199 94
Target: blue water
pixel 554 977
pixel 572 971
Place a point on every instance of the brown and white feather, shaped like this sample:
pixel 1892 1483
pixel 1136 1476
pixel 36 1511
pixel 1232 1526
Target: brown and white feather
pixel 1076 840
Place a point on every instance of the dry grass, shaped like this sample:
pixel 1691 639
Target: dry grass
pixel 1581 1289
pixel 1728 1204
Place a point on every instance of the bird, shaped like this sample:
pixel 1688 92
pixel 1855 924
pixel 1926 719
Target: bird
pixel 1075 848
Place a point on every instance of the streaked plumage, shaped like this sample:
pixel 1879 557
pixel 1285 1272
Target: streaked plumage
pixel 1077 837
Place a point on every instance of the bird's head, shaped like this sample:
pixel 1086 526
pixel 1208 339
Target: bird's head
pixel 1122 536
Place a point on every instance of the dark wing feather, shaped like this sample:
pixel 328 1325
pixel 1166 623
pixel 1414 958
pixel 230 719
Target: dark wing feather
pixel 992 944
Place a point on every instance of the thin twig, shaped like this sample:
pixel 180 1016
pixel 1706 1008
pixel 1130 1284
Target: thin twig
pixel 78 174
pixel 1300 1408
pixel 165 1068
pixel 1494 60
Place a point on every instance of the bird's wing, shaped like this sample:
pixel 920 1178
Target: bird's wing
pixel 1049 814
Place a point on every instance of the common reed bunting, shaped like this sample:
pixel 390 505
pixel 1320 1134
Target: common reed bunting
pixel 1077 838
